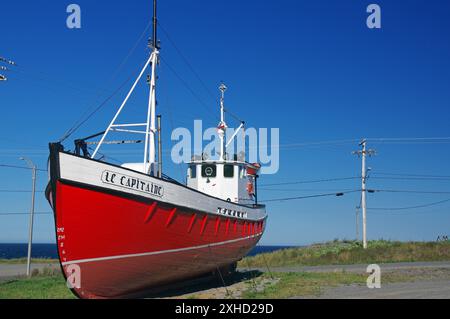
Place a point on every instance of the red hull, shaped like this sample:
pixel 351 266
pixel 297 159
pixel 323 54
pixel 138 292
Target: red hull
pixel 124 246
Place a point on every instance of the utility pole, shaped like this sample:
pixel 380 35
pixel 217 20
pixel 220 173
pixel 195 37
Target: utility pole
pixel 30 231
pixel 358 208
pixel 357 223
pixel 364 153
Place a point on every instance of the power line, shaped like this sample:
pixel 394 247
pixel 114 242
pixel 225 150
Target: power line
pixel 19 214
pixel 299 190
pixel 18 191
pixel 368 190
pixel 411 175
pixel 306 197
pixel 318 143
pixel 411 207
pixel 409 191
pixel 14 166
pixel 412 178
pixel 410 140
pixel 52 83
pixel 348 141
pixel 312 181
pixel 410 212
pixel 21 167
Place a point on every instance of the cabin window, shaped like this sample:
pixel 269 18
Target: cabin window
pixel 209 170
pixel 193 171
pixel 241 172
pixel 228 171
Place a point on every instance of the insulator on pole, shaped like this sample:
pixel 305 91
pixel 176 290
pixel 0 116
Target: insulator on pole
pixel 2 59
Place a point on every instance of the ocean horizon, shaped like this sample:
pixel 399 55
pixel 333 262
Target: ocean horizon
pixel 49 251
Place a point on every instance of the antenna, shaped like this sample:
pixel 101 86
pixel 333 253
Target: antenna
pixel 153 43
pixel 222 125
pixel 223 88
pixel 155 24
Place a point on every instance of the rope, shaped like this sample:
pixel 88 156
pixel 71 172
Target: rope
pixel 80 122
pixel 219 272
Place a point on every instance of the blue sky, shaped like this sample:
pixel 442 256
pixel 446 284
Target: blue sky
pixel 311 68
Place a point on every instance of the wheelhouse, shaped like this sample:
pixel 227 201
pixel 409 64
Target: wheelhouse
pixel 228 180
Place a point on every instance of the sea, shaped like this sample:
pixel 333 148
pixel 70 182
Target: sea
pixel 12 251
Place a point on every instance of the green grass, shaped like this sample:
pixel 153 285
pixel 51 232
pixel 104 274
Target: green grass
pixel 24 261
pixel 352 252
pixel 50 286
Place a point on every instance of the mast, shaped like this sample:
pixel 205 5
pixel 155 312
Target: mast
pixel 150 149
pixel 149 163
pixel 155 24
pixel 222 125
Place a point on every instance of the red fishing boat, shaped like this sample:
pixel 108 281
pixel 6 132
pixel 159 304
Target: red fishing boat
pixel 125 229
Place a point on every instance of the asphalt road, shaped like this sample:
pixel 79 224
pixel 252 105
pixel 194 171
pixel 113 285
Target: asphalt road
pixel 435 285
pixel 434 289
pixel 358 268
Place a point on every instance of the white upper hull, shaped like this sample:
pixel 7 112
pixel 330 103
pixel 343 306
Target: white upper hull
pixel 106 176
